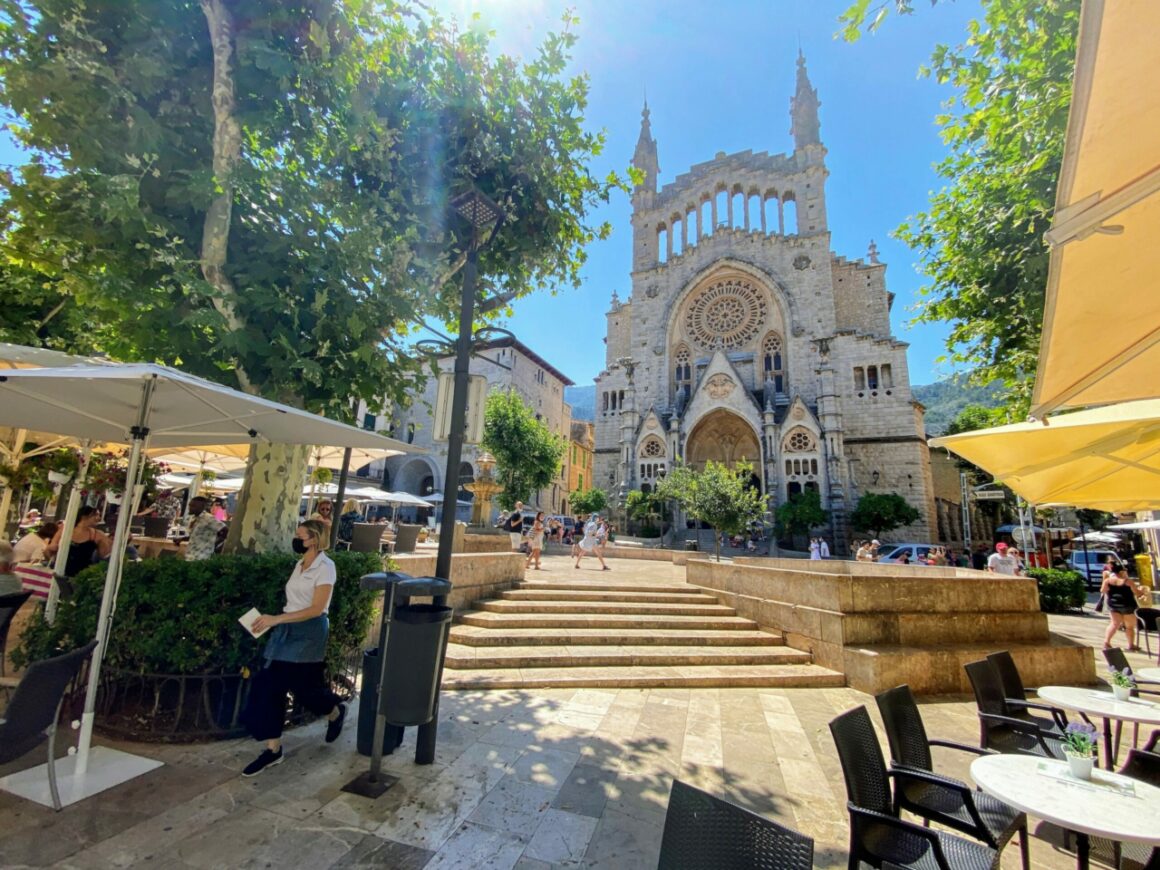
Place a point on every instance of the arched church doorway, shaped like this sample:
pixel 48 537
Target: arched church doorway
pixel 724 437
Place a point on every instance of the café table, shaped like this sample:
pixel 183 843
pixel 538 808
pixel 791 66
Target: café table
pixel 1094 702
pixel 1109 805
pixel 1151 674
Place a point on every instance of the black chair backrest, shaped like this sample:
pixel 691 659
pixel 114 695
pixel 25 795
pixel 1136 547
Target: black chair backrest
pixel 988 690
pixel 1115 658
pixel 705 831
pixel 905 732
pixel 863 767
pixel 9 606
pixel 366 537
pixel 1009 678
pixel 1142 765
pixel 157 527
pixel 32 710
pixel 1148 618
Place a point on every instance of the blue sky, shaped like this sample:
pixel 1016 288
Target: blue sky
pixel 719 77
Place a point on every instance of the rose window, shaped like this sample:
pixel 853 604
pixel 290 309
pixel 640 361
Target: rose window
pixel 653 448
pixel 799 442
pixel 729 314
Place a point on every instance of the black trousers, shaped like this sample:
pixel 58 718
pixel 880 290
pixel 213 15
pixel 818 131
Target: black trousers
pixel 265 712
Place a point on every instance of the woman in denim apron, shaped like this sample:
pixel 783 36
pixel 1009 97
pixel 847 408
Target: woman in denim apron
pixel 295 651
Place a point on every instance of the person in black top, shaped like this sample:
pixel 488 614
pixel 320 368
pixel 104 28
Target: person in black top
pixel 88 544
pixel 1121 592
pixel 514 526
pixel 979 559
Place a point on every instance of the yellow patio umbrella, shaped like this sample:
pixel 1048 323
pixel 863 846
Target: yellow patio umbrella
pixel 1101 324
pixel 1106 458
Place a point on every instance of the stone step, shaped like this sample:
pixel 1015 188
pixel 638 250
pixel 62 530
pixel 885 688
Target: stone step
pixel 461 656
pixel 600 607
pixel 646 677
pixel 485 619
pixel 580 586
pixel 552 594
pixel 479 636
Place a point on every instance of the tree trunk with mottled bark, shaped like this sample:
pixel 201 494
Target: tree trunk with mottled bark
pixel 267 511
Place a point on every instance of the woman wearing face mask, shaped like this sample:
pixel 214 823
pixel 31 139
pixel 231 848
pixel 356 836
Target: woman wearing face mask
pixel 295 651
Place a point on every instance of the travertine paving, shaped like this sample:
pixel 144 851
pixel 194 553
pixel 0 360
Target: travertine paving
pixel 527 779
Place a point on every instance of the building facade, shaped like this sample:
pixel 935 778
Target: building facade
pixel 746 338
pixel 507 364
pixel 581 451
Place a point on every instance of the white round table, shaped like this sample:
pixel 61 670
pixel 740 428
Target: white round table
pixel 1109 805
pixel 1147 674
pixel 1102 703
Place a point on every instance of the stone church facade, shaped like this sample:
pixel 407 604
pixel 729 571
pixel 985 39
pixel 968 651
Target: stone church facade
pixel 747 338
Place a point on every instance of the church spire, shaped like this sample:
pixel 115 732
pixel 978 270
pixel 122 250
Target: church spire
pixel 645 156
pixel 803 109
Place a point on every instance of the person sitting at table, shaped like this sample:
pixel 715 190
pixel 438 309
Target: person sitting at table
pixel 346 520
pixel 88 545
pixel 30 549
pixel 32 518
pixel 204 531
pixel 9 583
pixel 323 512
pixel 1121 591
pixel 219 511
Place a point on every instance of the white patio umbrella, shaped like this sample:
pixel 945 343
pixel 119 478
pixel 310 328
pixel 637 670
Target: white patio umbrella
pixel 139 404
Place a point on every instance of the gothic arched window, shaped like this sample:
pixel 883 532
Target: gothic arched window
pixel 773 365
pixel 683 370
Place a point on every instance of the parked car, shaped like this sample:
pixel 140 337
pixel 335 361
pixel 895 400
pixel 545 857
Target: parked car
pixel 1090 564
pixel 893 552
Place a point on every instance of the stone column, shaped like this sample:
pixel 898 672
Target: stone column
pixel 830 418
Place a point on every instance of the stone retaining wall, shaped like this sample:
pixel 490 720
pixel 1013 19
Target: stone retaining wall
pixel 473 575
pixel 884 625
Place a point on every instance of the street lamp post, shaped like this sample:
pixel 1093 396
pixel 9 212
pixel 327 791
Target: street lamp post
pixel 483 216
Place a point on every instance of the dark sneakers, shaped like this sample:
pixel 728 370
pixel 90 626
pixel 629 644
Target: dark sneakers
pixel 266 759
pixel 334 728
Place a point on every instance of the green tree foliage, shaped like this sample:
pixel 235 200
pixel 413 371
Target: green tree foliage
pixel 868 16
pixel 257 191
pixel 981 239
pixel 527 453
pixel 881 512
pixel 1095 520
pixel 648 509
pixel 1059 591
pixel 801 513
pixel 588 501
pixel 720 496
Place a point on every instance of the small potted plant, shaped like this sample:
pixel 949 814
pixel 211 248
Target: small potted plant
pixel 1122 684
pixel 1079 745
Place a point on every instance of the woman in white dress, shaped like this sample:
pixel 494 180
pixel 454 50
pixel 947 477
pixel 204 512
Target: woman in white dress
pixel 590 543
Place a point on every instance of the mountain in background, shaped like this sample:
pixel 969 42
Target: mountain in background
pixel 943 400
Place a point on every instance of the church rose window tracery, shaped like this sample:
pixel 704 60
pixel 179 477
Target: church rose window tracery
pixel 652 448
pixel 728 314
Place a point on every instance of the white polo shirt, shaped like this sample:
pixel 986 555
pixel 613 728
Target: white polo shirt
pixel 300 587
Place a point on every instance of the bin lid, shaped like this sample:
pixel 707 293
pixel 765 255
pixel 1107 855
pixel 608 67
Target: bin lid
pixel 420 587
pixel 382 579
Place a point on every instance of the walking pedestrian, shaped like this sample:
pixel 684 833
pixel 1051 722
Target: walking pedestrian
pixel 513 524
pixel 1001 562
pixel 590 543
pixel 823 548
pixel 815 549
pixel 536 541
pixel 1121 591
pixel 295 651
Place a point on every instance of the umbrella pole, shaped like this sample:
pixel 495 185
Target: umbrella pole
pixel 66 532
pixel 195 485
pixel 335 515
pixel 140 434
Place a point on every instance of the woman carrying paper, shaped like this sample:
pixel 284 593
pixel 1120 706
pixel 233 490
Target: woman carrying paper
pixel 295 652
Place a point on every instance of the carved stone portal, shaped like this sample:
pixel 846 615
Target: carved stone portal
pixel 723 437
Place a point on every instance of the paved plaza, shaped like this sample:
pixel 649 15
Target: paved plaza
pixel 527 779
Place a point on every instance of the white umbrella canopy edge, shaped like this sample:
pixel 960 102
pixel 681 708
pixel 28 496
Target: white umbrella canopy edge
pixel 1104 262
pixel 134 404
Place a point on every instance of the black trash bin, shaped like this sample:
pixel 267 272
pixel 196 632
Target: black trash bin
pixel 416 642
pixel 692 545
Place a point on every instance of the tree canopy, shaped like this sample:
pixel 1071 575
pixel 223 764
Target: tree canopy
pixel 588 501
pixel 882 512
pixel 258 191
pixel 801 513
pixel 527 454
pixel 719 495
pixel 981 238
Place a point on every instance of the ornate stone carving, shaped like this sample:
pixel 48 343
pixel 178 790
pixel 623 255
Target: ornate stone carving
pixel 798 413
pixel 719 386
pixel 801 262
pixel 728 315
pixel 652 291
pixel 652 422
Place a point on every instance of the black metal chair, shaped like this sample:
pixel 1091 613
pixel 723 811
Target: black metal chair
pixel 367 538
pixel 1148 623
pixel 919 790
pixel 877 835
pixel 9 606
pixel 998 729
pixel 705 831
pixel 31 716
pixel 1145 766
pixel 1015 696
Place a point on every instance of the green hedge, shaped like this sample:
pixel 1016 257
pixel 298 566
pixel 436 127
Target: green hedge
pixel 178 617
pixel 1059 591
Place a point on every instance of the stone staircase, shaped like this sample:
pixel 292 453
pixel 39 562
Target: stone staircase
pixel 580 634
